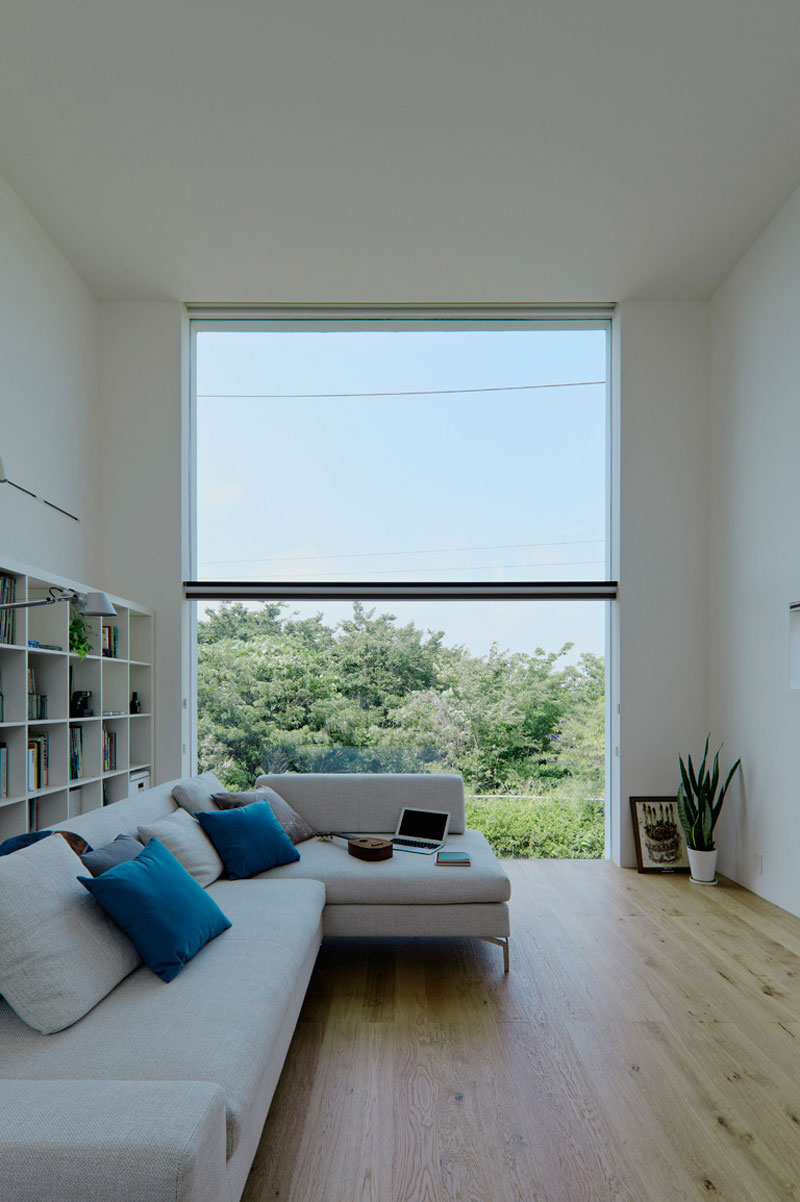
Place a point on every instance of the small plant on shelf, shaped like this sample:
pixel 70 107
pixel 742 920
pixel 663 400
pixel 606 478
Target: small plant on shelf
pixel 78 634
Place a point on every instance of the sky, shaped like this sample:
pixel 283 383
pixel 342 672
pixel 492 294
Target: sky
pixel 475 476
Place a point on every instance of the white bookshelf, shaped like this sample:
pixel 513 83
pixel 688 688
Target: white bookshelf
pixel 58 673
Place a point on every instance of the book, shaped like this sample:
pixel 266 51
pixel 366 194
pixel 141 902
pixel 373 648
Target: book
pixel 453 859
pixel 75 752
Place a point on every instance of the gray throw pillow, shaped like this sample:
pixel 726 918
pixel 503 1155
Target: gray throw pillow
pixel 60 953
pixel 195 794
pixel 294 824
pixel 190 845
pixel 100 859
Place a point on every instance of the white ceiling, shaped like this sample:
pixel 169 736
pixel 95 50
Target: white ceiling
pixel 401 150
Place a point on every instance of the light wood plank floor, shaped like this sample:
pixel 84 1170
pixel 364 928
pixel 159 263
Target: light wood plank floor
pixel 645 1047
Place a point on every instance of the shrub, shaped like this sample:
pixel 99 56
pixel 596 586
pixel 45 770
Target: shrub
pixel 541 828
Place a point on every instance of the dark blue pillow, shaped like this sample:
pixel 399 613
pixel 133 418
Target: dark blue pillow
pixel 249 839
pixel 16 842
pixel 162 910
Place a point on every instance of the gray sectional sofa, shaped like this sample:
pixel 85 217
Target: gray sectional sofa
pixel 160 1092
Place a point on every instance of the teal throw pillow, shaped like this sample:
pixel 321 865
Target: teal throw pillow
pixel 248 839
pixel 160 907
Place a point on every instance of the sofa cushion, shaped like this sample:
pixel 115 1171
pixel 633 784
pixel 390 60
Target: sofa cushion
pixel 294 824
pixel 195 793
pixel 190 845
pixel 102 825
pixel 216 1022
pixel 100 859
pixel 160 907
pixel 249 840
pixel 59 953
pixel 368 802
pixel 408 878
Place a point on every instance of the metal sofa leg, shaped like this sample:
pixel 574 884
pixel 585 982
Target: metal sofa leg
pixel 501 941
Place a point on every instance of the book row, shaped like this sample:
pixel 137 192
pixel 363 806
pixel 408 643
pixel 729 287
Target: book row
pixel 38 761
pixel 75 752
pixel 8 592
pixel 110 642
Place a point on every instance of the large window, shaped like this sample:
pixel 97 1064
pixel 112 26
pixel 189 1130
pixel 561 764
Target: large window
pixel 400 554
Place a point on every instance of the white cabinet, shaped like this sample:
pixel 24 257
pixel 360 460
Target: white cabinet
pixel 54 761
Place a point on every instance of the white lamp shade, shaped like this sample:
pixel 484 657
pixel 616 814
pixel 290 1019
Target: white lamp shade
pixel 97 605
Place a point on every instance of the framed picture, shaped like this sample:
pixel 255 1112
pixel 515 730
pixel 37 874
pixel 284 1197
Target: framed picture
pixel 660 845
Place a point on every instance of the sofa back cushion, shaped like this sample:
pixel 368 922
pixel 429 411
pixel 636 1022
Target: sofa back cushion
pixel 190 845
pixel 124 817
pixel 59 953
pixel 367 801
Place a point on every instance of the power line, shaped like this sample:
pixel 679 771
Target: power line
pixel 574 542
pixel 319 396
pixel 472 567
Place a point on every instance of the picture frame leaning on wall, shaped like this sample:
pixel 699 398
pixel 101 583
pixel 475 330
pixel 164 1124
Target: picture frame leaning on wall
pixel 657 833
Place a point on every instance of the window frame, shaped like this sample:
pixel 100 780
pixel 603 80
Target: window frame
pixel 203 318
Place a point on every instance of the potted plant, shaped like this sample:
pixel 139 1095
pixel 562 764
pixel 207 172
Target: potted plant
pixel 699 804
pixel 78 634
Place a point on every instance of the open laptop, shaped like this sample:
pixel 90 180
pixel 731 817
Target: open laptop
pixel 422 831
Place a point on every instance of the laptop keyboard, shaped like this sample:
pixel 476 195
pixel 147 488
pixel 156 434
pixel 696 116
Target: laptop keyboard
pixel 415 843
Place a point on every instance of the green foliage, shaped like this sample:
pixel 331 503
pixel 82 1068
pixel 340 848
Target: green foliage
pixel 541 828
pixel 78 634
pixel 698 805
pixel 280 693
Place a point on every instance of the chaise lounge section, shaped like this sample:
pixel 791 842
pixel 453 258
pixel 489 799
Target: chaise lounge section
pixel 407 895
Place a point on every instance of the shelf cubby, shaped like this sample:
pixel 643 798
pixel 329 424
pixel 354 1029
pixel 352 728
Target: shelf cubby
pixel 115 685
pixel 13 622
pixel 13 683
pixel 49 808
pixel 13 819
pixel 16 741
pixel 120 622
pixel 57 761
pixel 140 637
pixel 116 786
pixel 85 797
pixel 141 683
pixel 47 623
pixel 50 672
pixel 141 741
pixel 119 728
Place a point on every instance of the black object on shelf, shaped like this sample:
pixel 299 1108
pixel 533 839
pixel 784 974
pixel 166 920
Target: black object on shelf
pixel 79 705
pixel 136 705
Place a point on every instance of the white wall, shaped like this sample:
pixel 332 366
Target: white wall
pixel 140 389
pixel 755 560
pixel 48 400
pixel 661 362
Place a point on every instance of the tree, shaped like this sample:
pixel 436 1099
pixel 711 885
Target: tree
pixel 281 692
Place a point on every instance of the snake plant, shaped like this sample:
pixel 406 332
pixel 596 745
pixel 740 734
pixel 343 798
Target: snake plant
pixel 698 804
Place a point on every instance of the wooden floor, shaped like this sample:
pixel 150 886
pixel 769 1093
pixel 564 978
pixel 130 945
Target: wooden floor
pixel 645 1046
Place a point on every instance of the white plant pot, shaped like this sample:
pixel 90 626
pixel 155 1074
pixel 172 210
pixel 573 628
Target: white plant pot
pixel 703 865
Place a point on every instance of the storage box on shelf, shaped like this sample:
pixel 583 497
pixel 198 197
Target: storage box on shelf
pixel 68 741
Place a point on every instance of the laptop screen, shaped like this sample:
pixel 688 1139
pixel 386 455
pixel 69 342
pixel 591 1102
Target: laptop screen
pixel 423 824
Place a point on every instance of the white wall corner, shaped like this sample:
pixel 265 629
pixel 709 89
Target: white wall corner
pixel 663 500
pixel 755 567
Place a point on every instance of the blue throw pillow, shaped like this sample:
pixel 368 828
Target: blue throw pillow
pixel 17 842
pixel 162 910
pixel 248 840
